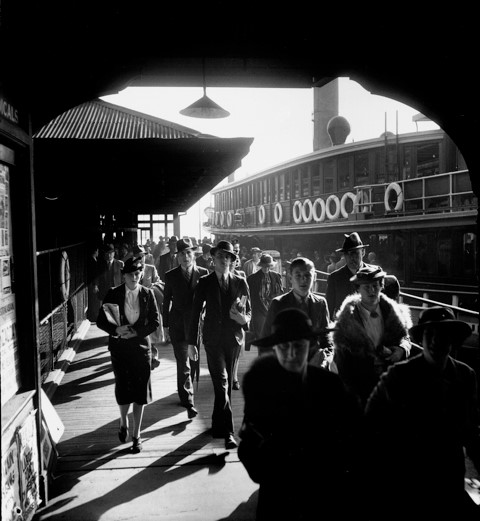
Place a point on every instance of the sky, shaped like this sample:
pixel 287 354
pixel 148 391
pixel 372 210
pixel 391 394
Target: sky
pixel 279 120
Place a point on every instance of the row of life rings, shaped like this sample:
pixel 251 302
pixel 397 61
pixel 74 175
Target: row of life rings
pixel 319 209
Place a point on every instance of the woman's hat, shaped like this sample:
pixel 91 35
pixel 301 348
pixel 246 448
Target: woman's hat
pixel 288 325
pixel 185 244
pixel 266 260
pixel 440 317
pixel 368 274
pixel 133 264
pixel 352 242
pixel 224 246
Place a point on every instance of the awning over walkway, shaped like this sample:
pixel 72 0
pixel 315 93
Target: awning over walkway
pixel 114 157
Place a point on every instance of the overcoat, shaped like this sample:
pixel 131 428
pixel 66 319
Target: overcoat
pixel 358 361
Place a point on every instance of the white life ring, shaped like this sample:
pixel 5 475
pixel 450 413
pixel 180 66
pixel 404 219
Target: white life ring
pixel 318 218
pixel 65 275
pixel 307 210
pixel 336 200
pixel 278 213
pixel 343 209
pixel 222 218
pixel 297 212
pixel 398 190
pixel 362 202
pixel 229 219
pixel 261 214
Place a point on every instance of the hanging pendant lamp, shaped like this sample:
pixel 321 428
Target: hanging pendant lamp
pixel 205 107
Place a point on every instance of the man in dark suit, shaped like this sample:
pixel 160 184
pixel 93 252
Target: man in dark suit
pixel 338 282
pixel 264 286
pixel 168 260
pixel 180 283
pixel 301 275
pixel 227 314
pixel 110 272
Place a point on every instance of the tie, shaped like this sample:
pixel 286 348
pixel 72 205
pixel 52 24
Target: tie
pixel 130 299
pixel 303 304
pixel 224 284
pixel 187 274
pixel 374 314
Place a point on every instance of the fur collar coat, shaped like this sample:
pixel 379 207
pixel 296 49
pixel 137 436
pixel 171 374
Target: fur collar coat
pixel 357 360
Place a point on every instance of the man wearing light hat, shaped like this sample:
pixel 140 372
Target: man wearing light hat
pixel 264 286
pixel 338 282
pixel 423 414
pixel 180 284
pixel 299 428
pixel 251 265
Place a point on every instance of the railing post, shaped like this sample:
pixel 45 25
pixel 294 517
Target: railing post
pixel 455 300
pixel 424 304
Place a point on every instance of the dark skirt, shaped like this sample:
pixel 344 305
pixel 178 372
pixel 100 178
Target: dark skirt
pixel 131 364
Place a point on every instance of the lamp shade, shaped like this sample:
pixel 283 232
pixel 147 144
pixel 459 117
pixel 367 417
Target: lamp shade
pixel 205 108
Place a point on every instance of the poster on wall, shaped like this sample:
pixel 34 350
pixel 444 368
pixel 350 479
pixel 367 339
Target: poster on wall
pixel 28 467
pixel 9 362
pixel 11 502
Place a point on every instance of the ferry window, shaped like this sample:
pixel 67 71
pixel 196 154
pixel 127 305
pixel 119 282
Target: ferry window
pixel 444 260
pixel 287 187
pixel 343 170
pixel 281 187
pixel 305 179
pixel 361 168
pixel 265 191
pixel 274 187
pixel 379 163
pixel 407 162
pixel 424 245
pixel 428 162
pixel 296 184
pixel 329 177
pixel 316 189
pixel 469 254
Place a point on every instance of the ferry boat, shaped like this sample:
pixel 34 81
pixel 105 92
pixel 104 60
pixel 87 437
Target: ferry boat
pixel 409 197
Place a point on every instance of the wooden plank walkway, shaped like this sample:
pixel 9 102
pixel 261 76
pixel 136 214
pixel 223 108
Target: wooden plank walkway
pixel 182 474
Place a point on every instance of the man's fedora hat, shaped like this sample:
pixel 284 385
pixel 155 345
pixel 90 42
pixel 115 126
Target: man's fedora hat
pixel 138 250
pixel 368 274
pixel 255 249
pixel 109 248
pixel 288 325
pixel 185 244
pixel 441 317
pixel 266 260
pixel 224 246
pixel 352 242
pixel 133 264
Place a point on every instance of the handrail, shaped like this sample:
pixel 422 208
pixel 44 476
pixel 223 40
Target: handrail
pixel 60 248
pixel 423 299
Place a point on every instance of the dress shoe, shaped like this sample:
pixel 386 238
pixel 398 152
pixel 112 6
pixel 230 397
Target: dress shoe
pixel 192 412
pixel 122 434
pixel 230 442
pixel 236 385
pixel 137 445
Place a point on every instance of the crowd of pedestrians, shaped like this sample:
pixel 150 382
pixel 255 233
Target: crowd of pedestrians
pixel 346 394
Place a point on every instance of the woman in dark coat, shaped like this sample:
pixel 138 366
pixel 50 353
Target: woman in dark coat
pixel 133 316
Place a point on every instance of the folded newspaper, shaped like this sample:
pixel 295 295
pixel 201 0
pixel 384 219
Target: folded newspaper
pixel 112 313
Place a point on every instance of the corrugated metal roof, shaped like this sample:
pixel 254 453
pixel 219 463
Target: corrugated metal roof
pixel 99 119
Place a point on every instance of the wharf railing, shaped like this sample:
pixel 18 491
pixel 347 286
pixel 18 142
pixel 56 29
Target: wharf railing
pixel 62 300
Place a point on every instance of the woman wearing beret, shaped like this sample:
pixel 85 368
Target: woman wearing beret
pixel 133 317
